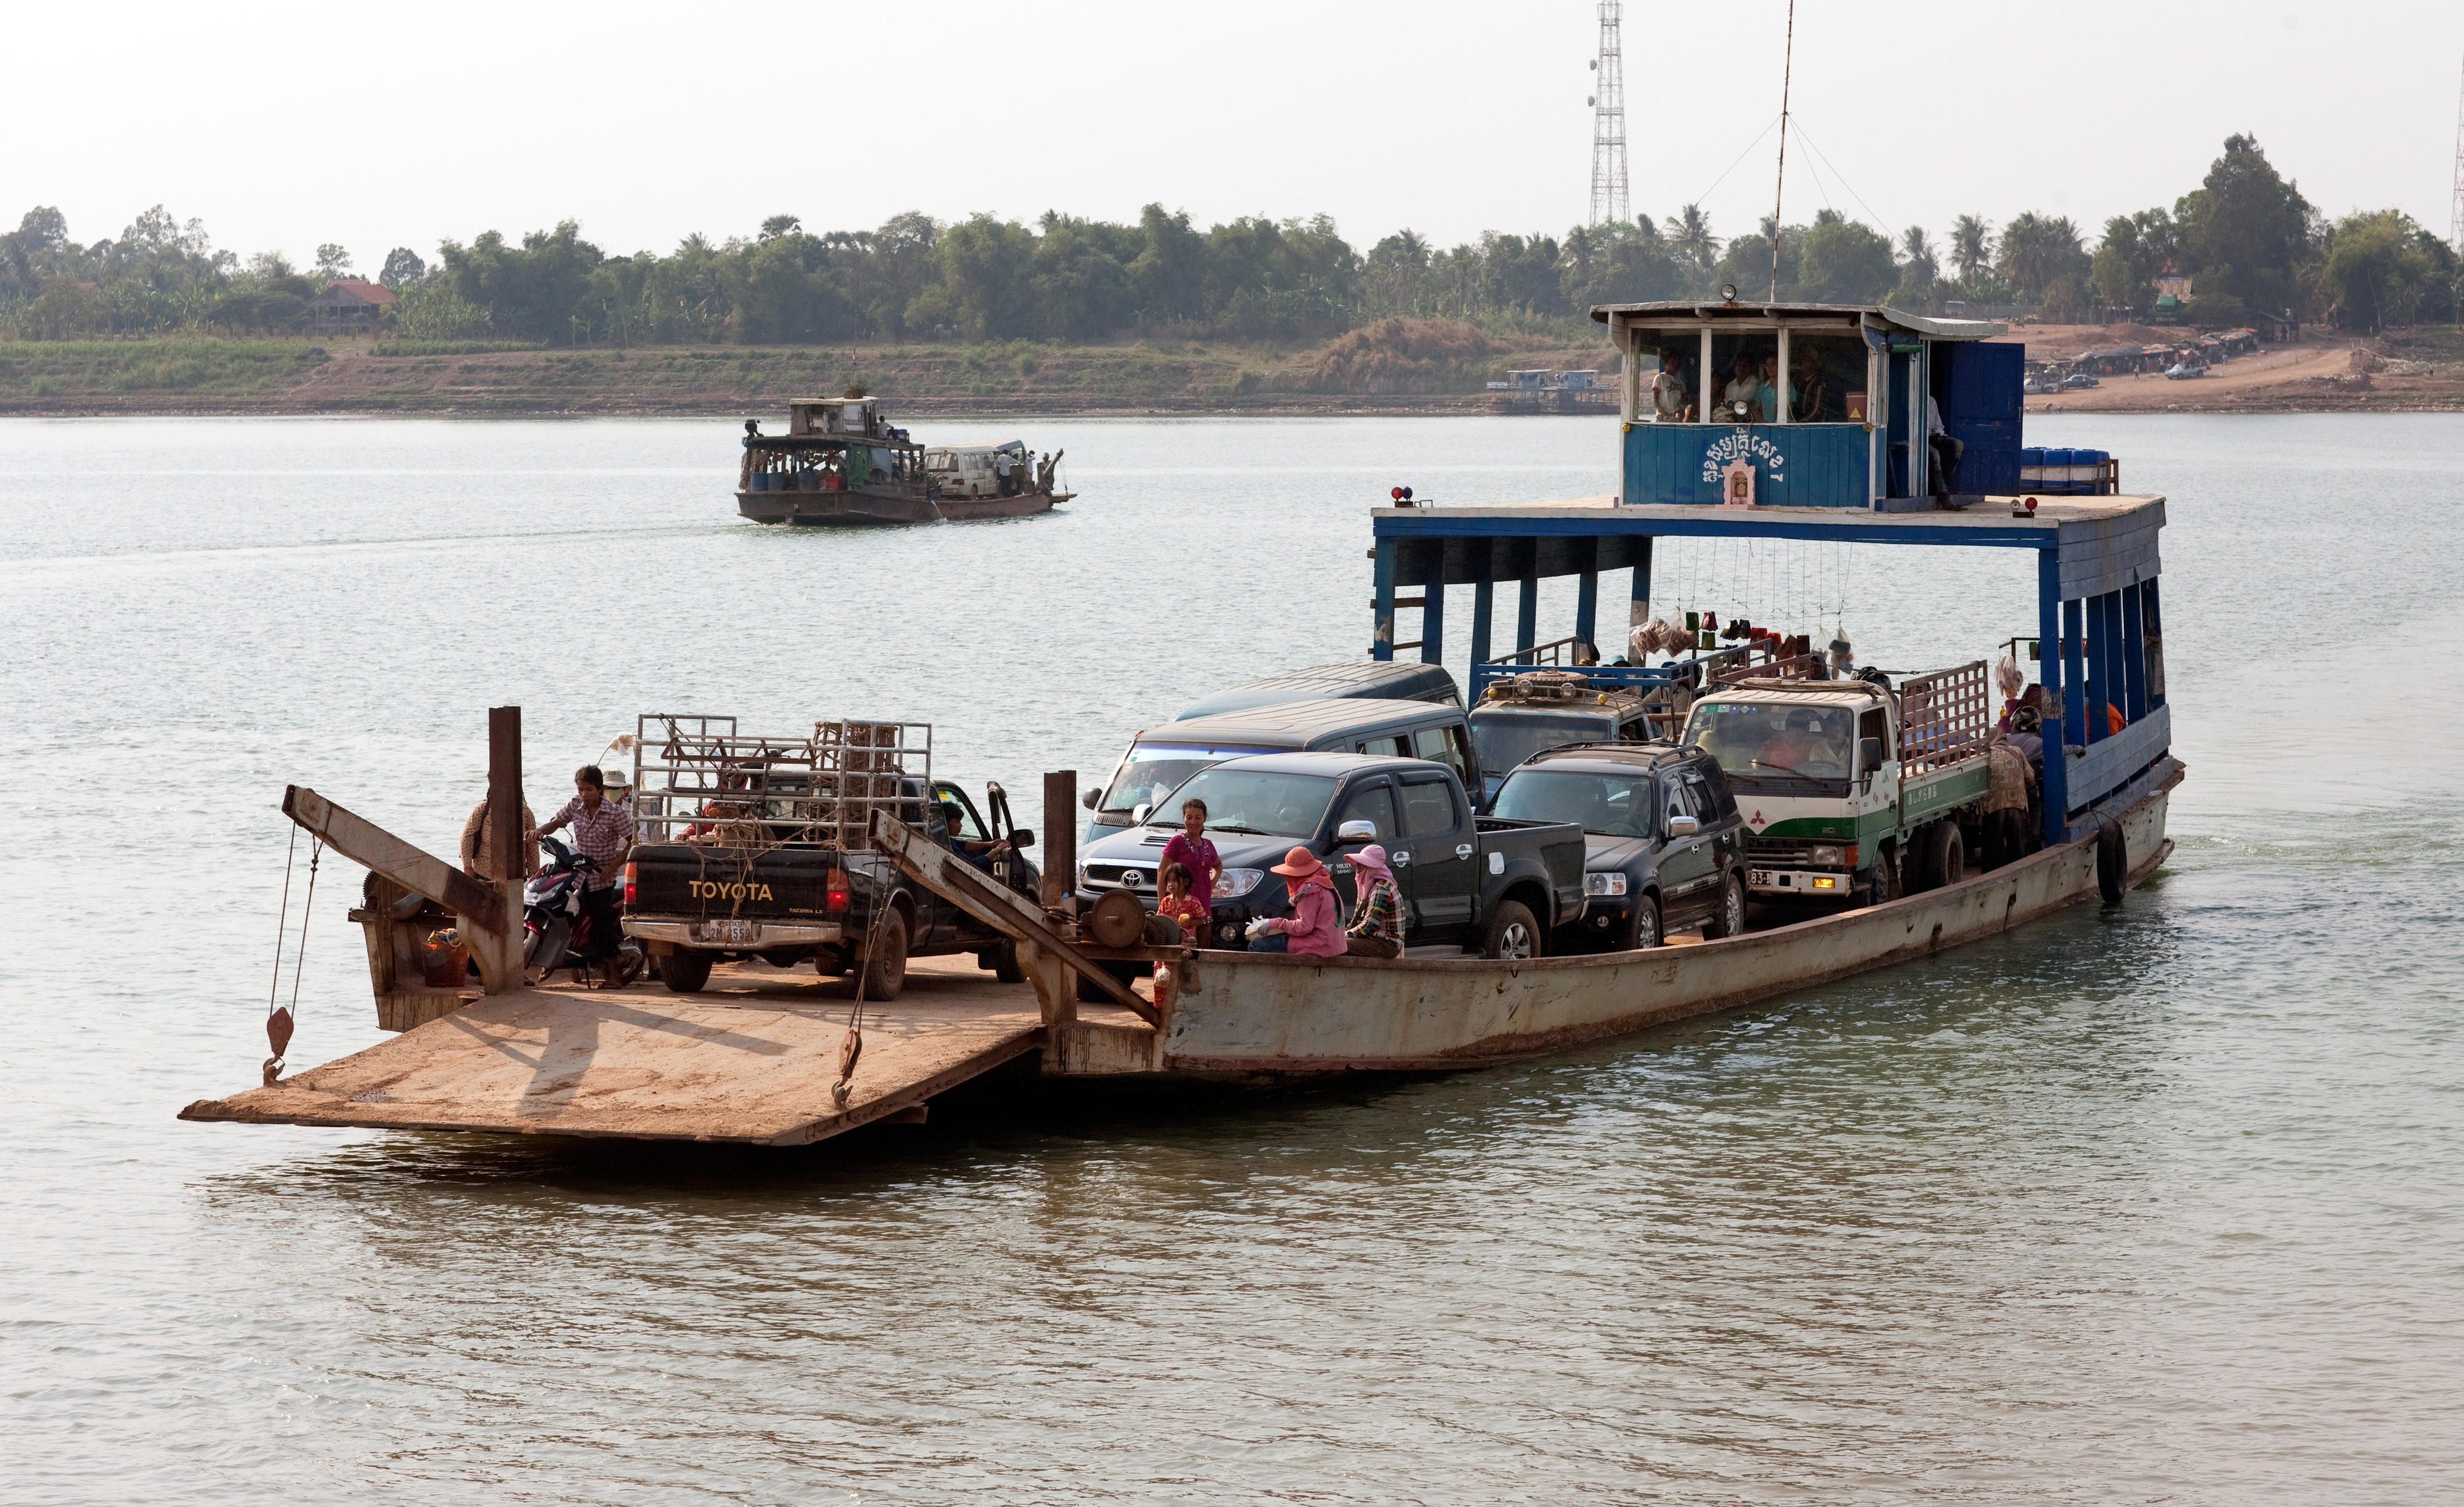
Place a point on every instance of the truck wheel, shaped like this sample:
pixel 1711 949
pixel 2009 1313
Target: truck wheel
pixel 1643 928
pixel 1730 917
pixel 1942 858
pixel 684 972
pixel 1882 881
pixel 885 972
pixel 1005 963
pixel 1513 933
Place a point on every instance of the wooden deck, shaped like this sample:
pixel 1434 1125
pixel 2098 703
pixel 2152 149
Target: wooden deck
pixel 751 1059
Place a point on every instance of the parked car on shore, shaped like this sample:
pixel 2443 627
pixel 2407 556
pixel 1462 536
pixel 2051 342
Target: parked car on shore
pixel 2077 380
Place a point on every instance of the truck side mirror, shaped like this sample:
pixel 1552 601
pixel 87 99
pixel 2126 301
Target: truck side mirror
pixel 1683 826
pixel 1092 796
pixel 1021 837
pixel 1139 817
pixel 1869 754
pixel 1357 831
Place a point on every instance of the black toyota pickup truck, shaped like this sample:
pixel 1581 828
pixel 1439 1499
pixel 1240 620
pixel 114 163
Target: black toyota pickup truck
pixel 694 902
pixel 1493 885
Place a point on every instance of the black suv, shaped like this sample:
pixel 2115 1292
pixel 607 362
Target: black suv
pixel 1665 851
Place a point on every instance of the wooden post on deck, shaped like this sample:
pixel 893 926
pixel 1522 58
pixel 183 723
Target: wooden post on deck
pixel 501 952
pixel 1060 840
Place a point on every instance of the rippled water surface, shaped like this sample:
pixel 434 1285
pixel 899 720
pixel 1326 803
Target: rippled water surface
pixel 2155 1204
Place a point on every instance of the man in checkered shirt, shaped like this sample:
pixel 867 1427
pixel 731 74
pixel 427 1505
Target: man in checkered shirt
pixel 603 832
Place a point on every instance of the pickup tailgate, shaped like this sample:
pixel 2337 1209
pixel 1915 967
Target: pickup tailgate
pixel 1559 847
pixel 684 879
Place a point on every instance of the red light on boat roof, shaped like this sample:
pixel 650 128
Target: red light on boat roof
pixel 2032 505
pixel 1397 494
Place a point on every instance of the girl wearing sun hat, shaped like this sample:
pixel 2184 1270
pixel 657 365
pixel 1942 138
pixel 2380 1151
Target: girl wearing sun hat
pixel 1314 929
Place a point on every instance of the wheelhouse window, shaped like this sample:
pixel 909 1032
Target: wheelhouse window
pixel 1824 379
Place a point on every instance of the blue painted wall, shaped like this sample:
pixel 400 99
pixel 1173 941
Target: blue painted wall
pixel 1795 465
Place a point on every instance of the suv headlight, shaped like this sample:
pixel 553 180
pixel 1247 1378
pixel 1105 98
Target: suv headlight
pixel 1237 882
pixel 1827 857
pixel 1604 884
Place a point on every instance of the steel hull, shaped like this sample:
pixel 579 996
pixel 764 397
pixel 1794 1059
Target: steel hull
pixel 1255 1012
pixel 861 509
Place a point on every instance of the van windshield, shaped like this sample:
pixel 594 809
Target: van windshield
pixel 1506 741
pixel 1254 801
pixel 1154 770
pixel 1607 804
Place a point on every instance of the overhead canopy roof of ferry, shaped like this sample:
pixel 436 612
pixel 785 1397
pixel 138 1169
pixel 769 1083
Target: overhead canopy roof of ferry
pixel 1679 311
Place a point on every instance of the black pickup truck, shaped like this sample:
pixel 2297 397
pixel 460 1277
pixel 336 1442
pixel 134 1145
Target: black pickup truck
pixel 1493 885
pixel 694 902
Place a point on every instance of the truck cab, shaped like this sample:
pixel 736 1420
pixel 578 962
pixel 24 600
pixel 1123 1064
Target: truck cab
pixel 1523 716
pixel 1853 793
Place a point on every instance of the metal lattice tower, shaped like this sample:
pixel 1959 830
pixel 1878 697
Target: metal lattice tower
pixel 1608 121
pixel 2455 225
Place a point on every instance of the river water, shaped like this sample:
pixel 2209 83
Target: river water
pixel 2155 1204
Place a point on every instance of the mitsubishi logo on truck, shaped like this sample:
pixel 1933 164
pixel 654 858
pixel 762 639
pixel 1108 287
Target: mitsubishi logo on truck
pixel 712 890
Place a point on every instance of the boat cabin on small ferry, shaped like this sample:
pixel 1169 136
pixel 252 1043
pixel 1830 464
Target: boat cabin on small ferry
pixel 1838 430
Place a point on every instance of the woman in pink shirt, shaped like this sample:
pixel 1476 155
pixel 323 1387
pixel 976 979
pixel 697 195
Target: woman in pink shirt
pixel 1316 928
pixel 1189 847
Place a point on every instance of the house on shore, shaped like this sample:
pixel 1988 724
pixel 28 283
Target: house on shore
pixel 348 306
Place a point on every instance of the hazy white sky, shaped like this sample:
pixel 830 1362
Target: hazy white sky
pixel 286 125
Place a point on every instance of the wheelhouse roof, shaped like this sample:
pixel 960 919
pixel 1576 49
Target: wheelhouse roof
pixel 1693 313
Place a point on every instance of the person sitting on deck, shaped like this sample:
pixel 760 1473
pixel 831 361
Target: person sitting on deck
pixel 978 853
pixel 1943 448
pixel 1312 929
pixel 1377 920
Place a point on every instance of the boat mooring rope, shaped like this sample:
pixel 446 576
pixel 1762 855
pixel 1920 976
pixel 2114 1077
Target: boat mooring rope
pixel 280 1019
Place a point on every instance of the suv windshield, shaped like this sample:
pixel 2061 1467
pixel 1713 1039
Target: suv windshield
pixel 1508 738
pixel 1154 772
pixel 1257 801
pixel 1759 740
pixel 1606 805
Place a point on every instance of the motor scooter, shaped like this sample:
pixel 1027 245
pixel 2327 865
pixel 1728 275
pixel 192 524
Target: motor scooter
pixel 558 928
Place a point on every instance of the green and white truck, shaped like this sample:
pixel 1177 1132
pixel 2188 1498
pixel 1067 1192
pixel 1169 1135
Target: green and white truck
pixel 1852 793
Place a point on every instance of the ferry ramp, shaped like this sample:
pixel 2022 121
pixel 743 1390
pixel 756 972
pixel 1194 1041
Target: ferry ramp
pixel 754 1059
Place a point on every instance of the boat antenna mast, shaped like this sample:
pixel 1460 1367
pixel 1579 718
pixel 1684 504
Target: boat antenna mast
pixel 1787 66
pixel 1608 201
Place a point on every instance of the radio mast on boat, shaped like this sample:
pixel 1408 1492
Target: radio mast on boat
pixel 1608 121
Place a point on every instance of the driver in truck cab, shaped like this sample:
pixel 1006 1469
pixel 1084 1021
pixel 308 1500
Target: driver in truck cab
pixel 978 853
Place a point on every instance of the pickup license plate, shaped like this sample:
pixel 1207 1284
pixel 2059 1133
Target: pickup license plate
pixel 736 931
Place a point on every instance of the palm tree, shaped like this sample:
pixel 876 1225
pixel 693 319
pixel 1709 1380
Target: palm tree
pixel 2038 250
pixel 1917 248
pixel 1972 245
pixel 1689 235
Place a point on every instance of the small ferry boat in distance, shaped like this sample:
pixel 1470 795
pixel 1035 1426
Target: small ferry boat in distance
pixel 842 463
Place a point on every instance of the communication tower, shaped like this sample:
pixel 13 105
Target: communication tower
pixel 1608 121
pixel 2455 225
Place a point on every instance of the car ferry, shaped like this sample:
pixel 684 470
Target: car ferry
pixel 842 463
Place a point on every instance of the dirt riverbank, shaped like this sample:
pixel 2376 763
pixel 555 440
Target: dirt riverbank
pixel 1397 367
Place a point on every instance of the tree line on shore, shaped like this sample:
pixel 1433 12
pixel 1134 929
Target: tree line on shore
pixel 2246 237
